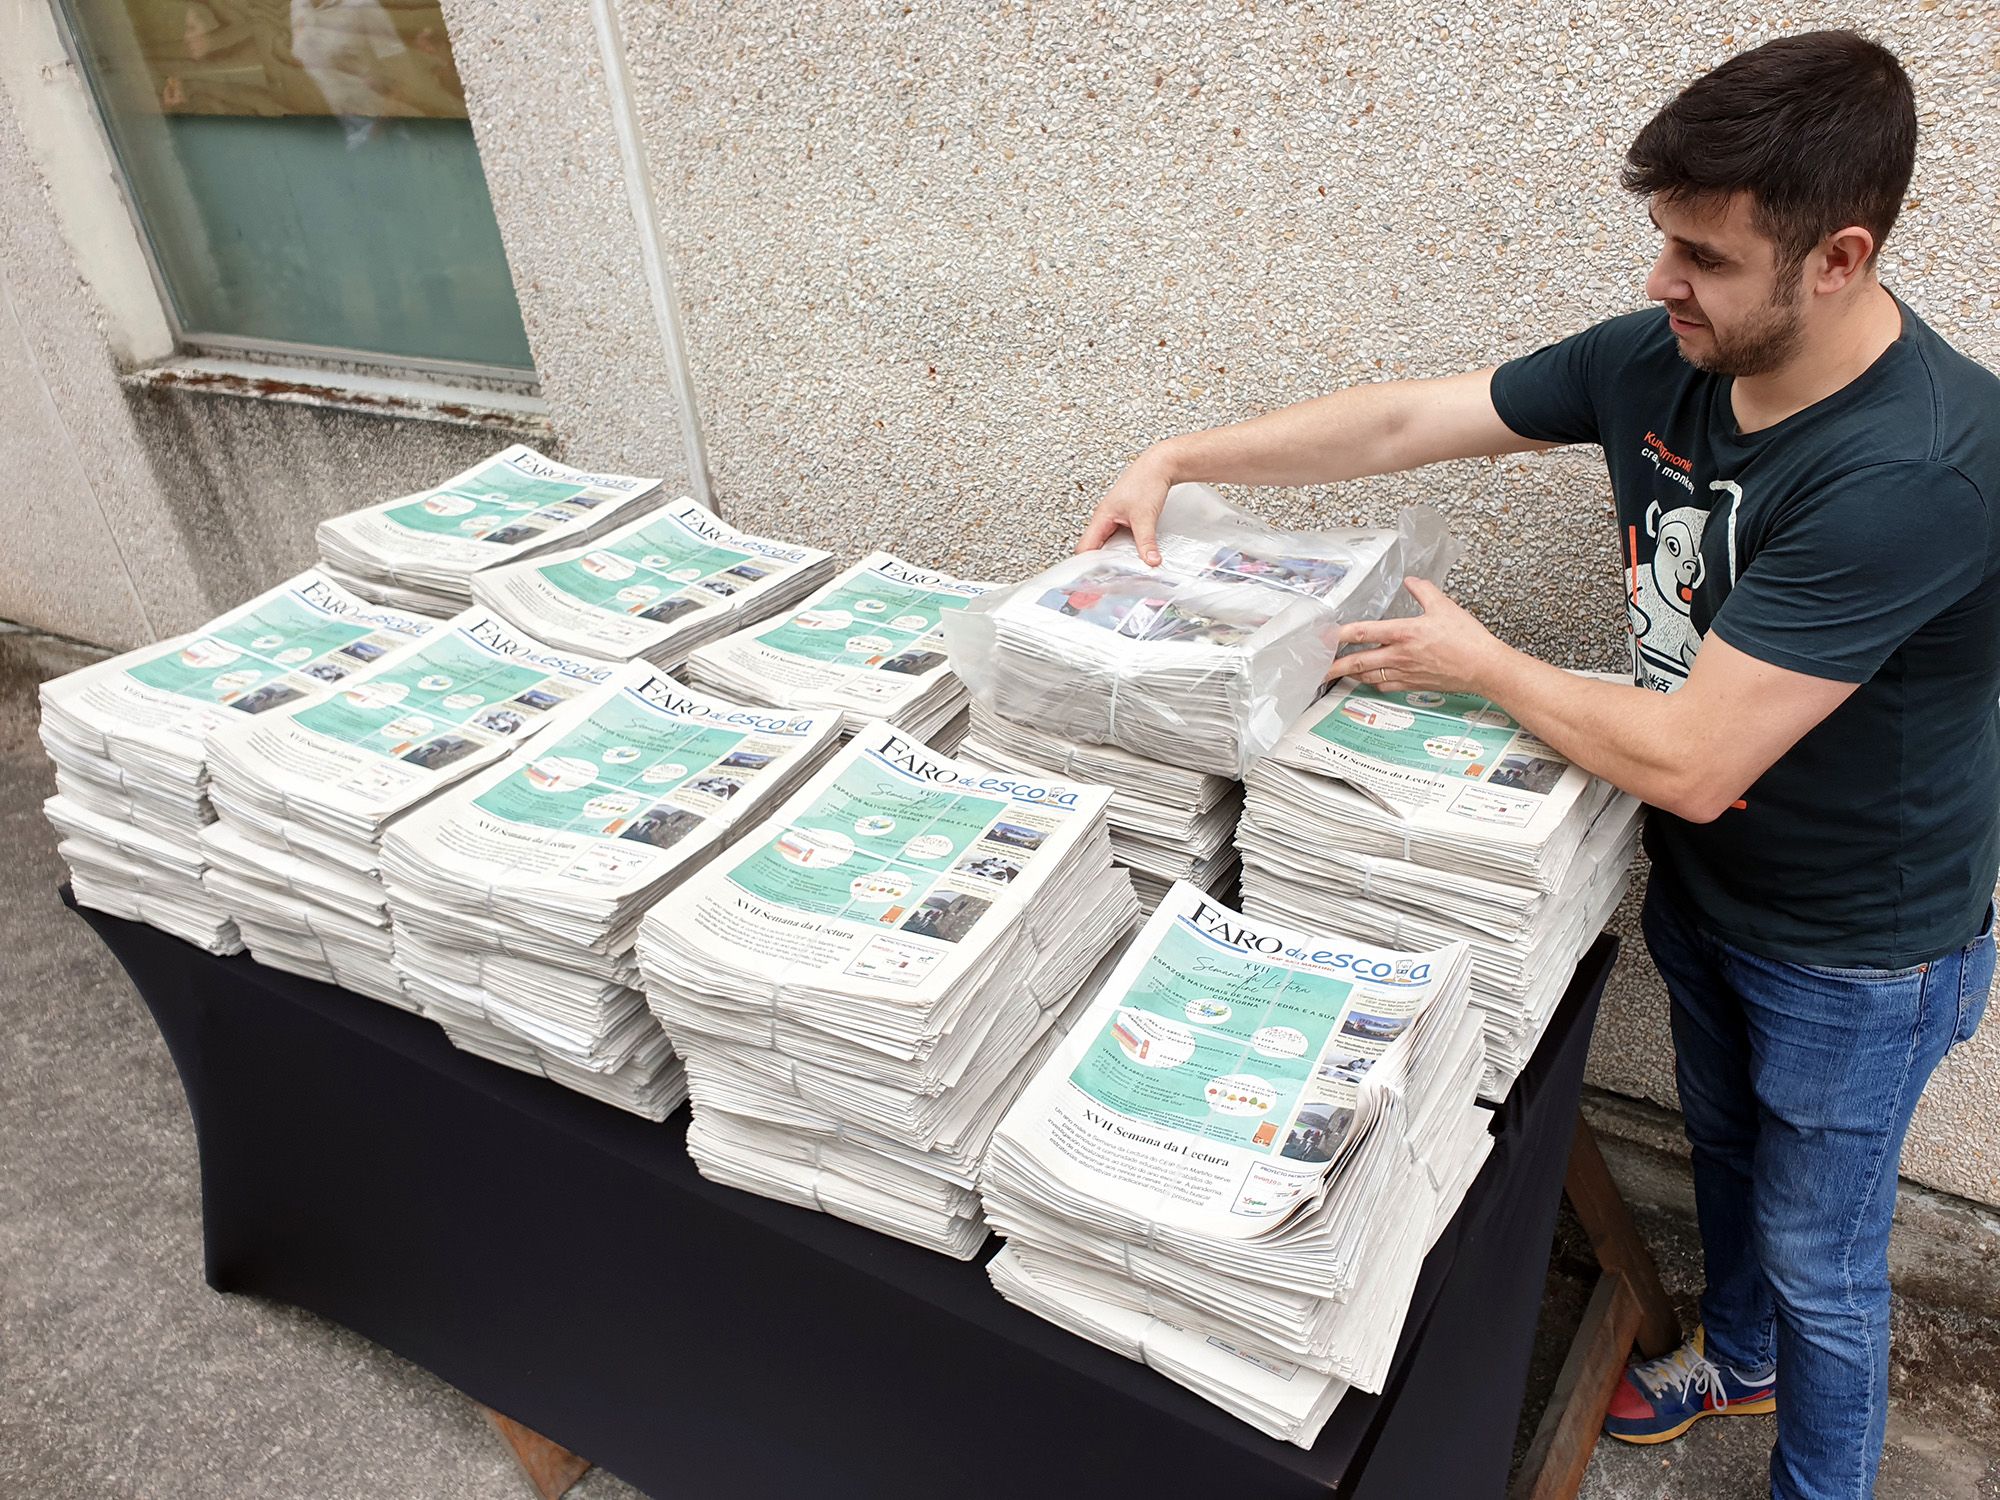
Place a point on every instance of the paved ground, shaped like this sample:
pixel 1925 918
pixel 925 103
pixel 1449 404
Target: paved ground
pixel 122 1377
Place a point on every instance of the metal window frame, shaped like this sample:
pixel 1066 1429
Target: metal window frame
pixel 192 341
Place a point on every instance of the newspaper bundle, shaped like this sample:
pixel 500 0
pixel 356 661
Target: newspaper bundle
pixel 420 551
pixel 861 983
pixel 516 896
pixel 1202 661
pixel 126 736
pixel 321 780
pixel 1167 824
pixel 116 866
pixel 869 645
pixel 655 589
pixel 1233 1165
pixel 1424 817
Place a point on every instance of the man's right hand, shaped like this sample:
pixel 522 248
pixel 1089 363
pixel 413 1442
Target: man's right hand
pixel 1132 504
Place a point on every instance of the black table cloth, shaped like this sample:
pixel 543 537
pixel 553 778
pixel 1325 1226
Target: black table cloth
pixel 563 1263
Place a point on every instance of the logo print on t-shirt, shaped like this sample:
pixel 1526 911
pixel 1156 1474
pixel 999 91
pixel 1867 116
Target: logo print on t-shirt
pixel 1660 596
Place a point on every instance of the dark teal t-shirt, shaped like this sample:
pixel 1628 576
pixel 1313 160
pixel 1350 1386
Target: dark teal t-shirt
pixel 1857 540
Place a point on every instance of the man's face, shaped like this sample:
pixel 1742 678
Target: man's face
pixel 1732 309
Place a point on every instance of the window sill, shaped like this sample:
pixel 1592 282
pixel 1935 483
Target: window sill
pixel 403 398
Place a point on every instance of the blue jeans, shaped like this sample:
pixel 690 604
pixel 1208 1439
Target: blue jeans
pixel 1797 1084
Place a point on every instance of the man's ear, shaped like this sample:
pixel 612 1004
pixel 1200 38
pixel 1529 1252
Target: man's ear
pixel 1840 260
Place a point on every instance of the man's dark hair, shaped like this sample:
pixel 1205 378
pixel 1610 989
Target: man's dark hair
pixel 1821 130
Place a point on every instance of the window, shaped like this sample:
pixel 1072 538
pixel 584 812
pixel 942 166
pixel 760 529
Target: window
pixel 305 177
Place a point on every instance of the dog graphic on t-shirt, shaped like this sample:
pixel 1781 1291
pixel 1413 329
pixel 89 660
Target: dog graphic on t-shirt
pixel 1660 597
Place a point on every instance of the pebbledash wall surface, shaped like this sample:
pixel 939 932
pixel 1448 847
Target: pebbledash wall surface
pixel 941 272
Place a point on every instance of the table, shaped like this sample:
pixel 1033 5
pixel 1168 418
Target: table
pixel 563 1263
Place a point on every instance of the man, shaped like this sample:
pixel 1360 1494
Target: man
pixel 1806 480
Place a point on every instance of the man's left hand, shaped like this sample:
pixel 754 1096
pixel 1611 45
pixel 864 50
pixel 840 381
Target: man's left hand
pixel 1442 650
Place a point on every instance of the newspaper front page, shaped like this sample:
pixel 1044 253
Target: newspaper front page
pixel 677 575
pixel 1446 759
pixel 512 504
pixel 649 782
pixel 1213 1081
pixel 295 642
pixel 414 723
pixel 870 643
pixel 888 875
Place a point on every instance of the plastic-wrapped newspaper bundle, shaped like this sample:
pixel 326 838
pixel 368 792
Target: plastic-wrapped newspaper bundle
pixel 869 645
pixel 655 589
pixel 516 896
pixel 421 551
pixel 1167 824
pixel 1203 661
pixel 320 781
pixel 859 986
pixel 1425 817
pixel 126 736
pixel 1234 1164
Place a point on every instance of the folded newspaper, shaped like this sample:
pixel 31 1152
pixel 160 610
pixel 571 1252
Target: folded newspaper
pixel 859 985
pixel 1233 1165
pixel 320 781
pixel 657 588
pixel 1167 824
pixel 1203 661
pixel 126 737
pixel 119 867
pixel 869 645
pixel 516 896
pixel 420 551
pixel 1426 817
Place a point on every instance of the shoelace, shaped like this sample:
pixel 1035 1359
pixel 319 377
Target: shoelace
pixel 1685 1370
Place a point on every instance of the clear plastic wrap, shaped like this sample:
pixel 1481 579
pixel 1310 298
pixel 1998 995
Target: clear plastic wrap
pixel 1204 661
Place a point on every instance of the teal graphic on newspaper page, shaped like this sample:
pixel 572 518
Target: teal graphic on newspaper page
pixel 613 776
pixel 873 845
pixel 1212 1043
pixel 231 662
pixel 450 697
pixel 868 623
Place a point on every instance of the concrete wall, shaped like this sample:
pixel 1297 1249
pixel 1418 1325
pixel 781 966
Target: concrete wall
pixel 942 272
pixel 73 530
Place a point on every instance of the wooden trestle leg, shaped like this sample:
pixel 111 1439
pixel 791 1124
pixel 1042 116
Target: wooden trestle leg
pixel 550 1467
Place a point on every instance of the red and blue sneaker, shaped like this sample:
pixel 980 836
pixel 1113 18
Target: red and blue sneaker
pixel 1659 1399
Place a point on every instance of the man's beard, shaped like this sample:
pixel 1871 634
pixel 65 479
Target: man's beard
pixel 1769 338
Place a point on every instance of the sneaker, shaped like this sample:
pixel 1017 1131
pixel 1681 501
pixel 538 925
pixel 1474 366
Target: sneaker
pixel 1660 1399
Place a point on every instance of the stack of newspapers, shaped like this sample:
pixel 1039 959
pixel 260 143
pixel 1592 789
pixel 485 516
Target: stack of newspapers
pixel 320 781
pixel 1425 817
pixel 126 736
pixel 868 646
pixel 1202 661
pixel 421 551
pixel 656 589
pixel 516 896
pixel 1167 824
pixel 1233 1166
pixel 859 986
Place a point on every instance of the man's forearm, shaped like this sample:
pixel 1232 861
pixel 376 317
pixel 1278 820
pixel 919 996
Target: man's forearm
pixel 1383 428
pixel 1632 737
pixel 1347 434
